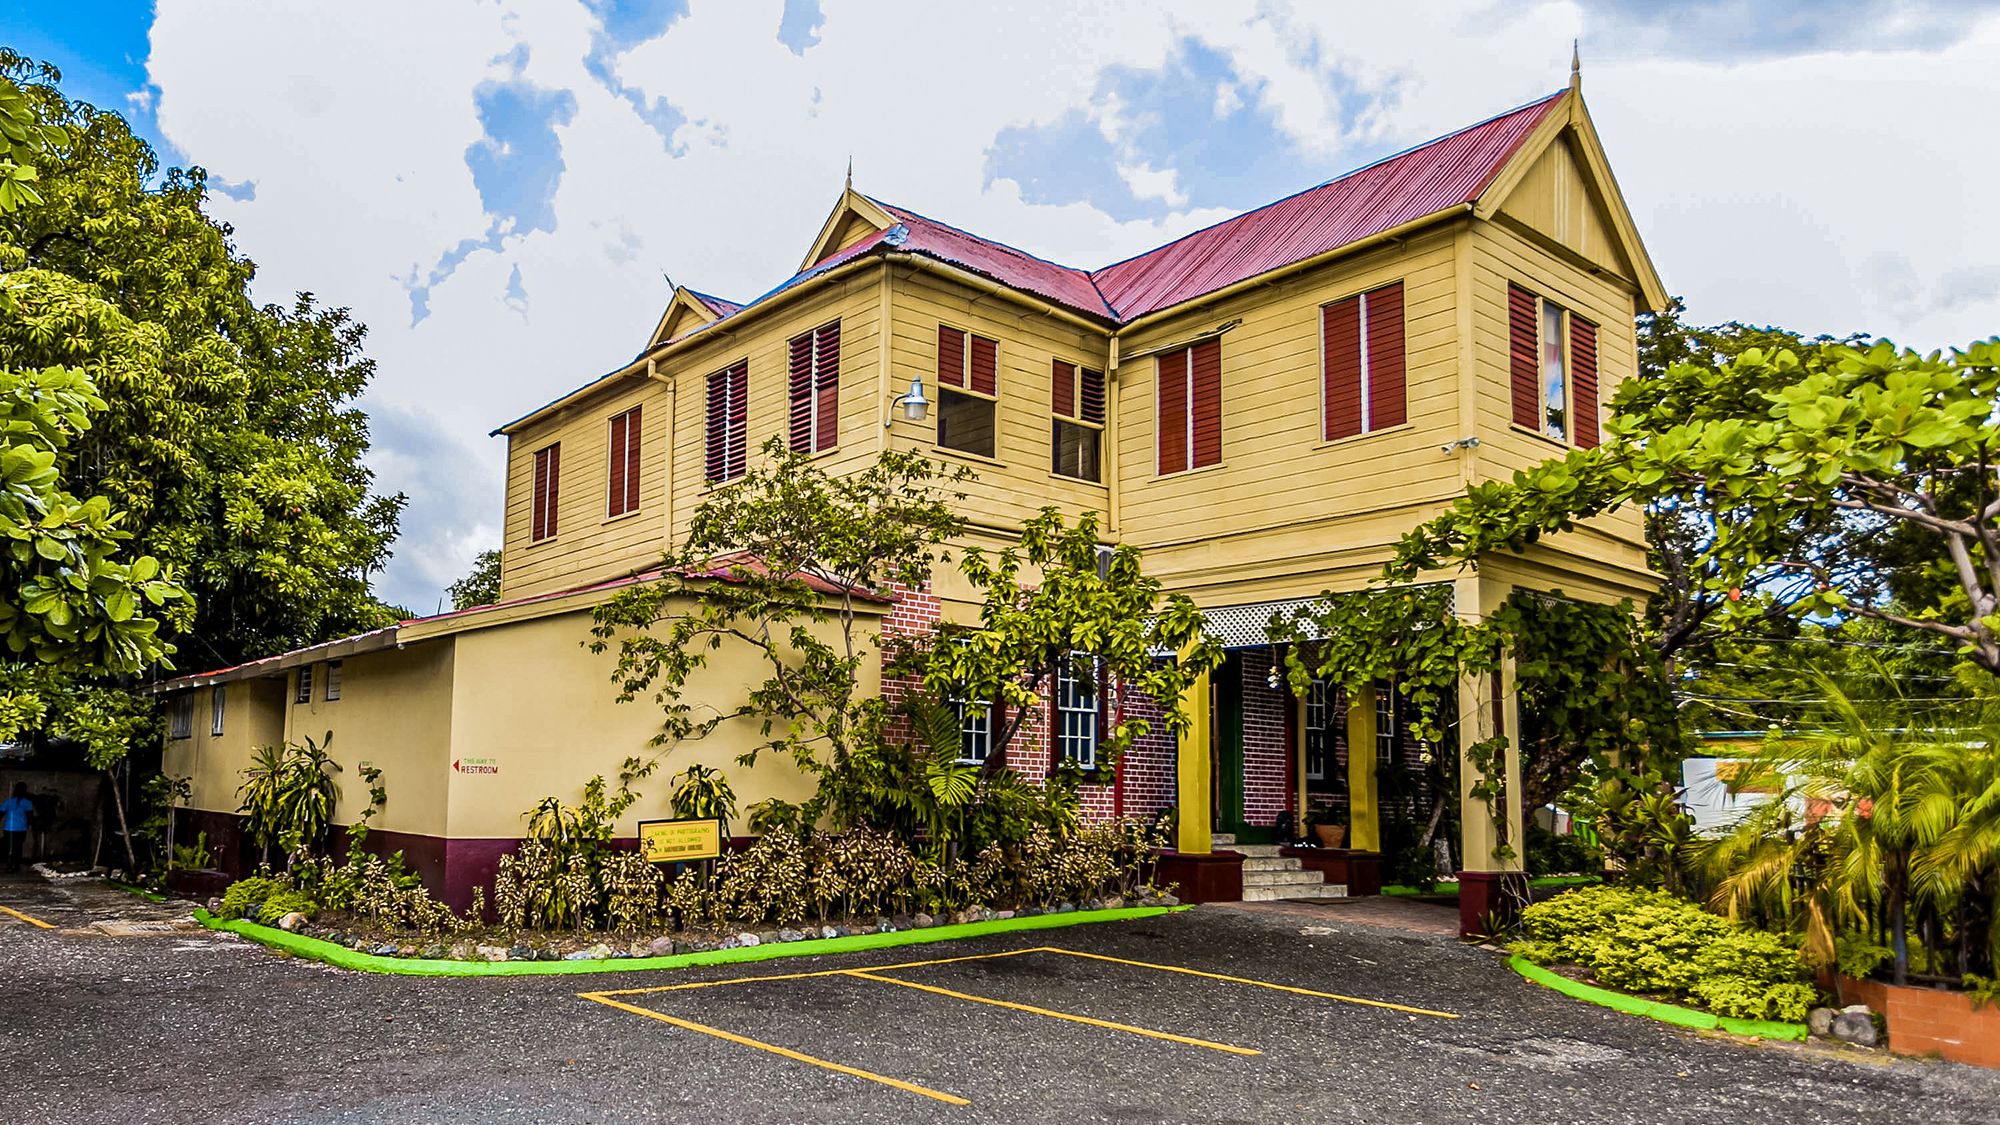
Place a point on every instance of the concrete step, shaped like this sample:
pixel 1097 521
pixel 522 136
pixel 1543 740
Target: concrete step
pixel 1271 863
pixel 1223 839
pixel 1283 879
pixel 1259 850
pixel 1295 894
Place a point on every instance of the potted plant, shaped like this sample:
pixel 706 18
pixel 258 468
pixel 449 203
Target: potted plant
pixel 1328 825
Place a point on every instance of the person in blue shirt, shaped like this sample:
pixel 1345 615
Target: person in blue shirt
pixel 15 812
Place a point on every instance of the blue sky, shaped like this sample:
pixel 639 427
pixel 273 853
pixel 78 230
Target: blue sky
pixel 502 189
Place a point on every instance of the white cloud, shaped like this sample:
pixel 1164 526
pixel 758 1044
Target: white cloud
pixel 1765 187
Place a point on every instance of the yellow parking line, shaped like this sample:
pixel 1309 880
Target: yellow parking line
pixel 1258 983
pixel 29 919
pixel 809 976
pixel 949 1099
pixel 1032 1010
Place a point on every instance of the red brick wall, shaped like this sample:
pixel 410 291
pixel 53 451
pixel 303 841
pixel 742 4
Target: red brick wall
pixel 1931 1021
pixel 1266 791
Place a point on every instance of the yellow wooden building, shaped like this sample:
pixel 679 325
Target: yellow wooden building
pixel 1263 407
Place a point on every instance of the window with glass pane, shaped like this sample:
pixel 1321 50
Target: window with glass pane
pixel 217 707
pixel 1385 723
pixel 975 729
pixel 1320 711
pixel 1076 711
pixel 304 694
pixel 1555 374
pixel 965 422
pixel 1076 448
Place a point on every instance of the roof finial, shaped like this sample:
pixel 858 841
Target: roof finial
pixel 1575 65
pixel 850 171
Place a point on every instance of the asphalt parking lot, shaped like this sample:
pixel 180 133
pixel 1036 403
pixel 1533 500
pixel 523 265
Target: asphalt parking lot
pixel 1213 1015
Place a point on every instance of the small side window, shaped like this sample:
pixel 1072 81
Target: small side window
pixel 332 680
pixel 180 717
pixel 216 709
pixel 304 692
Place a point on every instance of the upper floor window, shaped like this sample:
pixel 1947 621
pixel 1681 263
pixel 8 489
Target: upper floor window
pixel 180 717
pixel 332 680
pixel 815 389
pixel 1079 716
pixel 968 372
pixel 1552 368
pixel 622 467
pixel 1190 407
pixel 728 421
pixel 548 471
pixel 1362 363
pixel 304 692
pixel 1322 710
pixel 1077 401
pixel 217 706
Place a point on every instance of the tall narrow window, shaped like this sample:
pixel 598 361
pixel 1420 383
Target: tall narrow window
pixel 548 470
pixel 728 421
pixel 1362 363
pixel 1077 401
pixel 1190 407
pixel 975 729
pixel 217 707
pixel 304 694
pixel 623 464
pixel 1322 707
pixel 1078 717
pixel 332 680
pixel 1385 723
pixel 815 389
pixel 180 718
pixel 1552 368
pixel 968 374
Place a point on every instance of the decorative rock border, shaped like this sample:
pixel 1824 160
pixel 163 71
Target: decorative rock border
pixel 340 956
pixel 1654 1009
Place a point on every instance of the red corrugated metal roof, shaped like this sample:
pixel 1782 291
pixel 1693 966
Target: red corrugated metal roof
pixel 717 305
pixel 1432 177
pixel 1017 269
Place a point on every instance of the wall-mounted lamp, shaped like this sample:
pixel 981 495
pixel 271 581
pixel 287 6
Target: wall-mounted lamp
pixel 915 406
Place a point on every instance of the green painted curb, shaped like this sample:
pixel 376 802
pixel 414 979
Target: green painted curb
pixel 1654 1009
pixel 341 957
pixel 149 896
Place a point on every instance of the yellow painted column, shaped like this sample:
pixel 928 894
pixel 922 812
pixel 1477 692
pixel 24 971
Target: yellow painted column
pixel 1486 707
pixel 1364 810
pixel 1193 771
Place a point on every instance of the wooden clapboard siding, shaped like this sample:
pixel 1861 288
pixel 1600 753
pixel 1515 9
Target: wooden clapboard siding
pixel 1281 490
pixel 1017 481
pixel 1555 200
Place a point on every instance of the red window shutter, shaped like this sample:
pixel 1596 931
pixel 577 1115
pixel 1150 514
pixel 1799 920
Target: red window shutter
pixel 1523 358
pixel 739 419
pixel 1062 393
pixel 1340 328
pixel 718 424
pixel 1388 400
pixel 951 357
pixel 985 365
pixel 1207 403
pixel 1174 412
pixel 826 386
pixel 633 430
pixel 802 393
pixel 615 466
pixel 538 504
pixel 555 485
pixel 1583 379
pixel 1092 391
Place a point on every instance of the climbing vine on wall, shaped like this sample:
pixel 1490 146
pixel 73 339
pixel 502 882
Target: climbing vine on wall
pixel 1593 697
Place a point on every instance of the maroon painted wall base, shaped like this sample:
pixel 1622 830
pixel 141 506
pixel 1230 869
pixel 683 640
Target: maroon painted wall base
pixel 1210 877
pixel 1361 871
pixel 1484 895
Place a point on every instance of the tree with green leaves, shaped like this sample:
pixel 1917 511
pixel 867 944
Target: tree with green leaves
pixel 481 586
pixel 779 562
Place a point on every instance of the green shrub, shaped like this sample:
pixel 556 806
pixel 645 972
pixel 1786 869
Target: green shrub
pixel 244 895
pixel 1653 943
pixel 1550 854
pixel 1858 956
pixel 285 902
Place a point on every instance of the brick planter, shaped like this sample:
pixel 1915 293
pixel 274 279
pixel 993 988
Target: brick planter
pixel 1359 872
pixel 1930 1021
pixel 1206 877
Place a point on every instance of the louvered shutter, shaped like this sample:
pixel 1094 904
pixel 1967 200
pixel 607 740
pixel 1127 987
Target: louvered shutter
pixel 826 386
pixel 1523 358
pixel 1340 327
pixel 615 468
pixel 719 424
pixel 1062 389
pixel 739 420
pixel 985 365
pixel 1173 412
pixel 1583 379
pixel 1091 388
pixel 951 357
pixel 539 502
pixel 1207 403
pixel 1388 403
pixel 634 430
pixel 802 393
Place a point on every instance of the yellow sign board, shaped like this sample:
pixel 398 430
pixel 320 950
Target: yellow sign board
pixel 677 841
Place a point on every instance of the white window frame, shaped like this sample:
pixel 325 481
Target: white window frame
pixel 1319 711
pixel 302 691
pixel 218 706
pixel 332 689
pixel 975 725
pixel 1073 744
pixel 1386 733
pixel 1543 308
